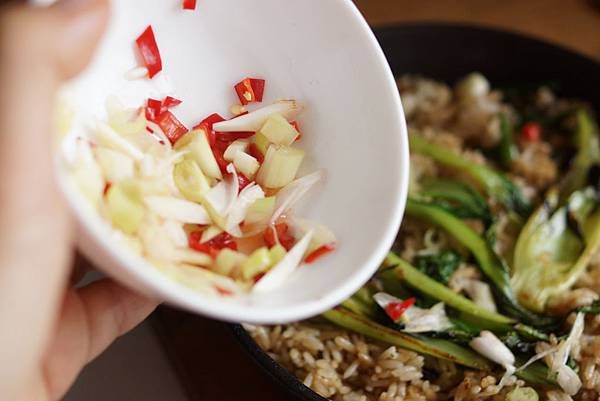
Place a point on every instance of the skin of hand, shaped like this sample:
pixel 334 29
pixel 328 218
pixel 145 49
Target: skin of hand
pixel 48 330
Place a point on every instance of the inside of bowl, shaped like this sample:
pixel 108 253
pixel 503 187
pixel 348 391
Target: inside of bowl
pixel 352 125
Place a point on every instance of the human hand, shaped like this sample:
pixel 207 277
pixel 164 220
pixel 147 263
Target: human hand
pixel 48 330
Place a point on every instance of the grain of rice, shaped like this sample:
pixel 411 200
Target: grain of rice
pixel 136 73
pixel 351 370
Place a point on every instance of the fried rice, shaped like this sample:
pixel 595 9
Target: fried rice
pixel 343 366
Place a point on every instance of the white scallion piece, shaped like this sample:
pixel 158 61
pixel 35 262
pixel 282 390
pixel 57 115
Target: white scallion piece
pixel 490 346
pixel 322 235
pixel 222 196
pixel 239 145
pixel 246 164
pixel 415 319
pixel 110 138
pixel 481 294
pixel 285 268
pixel 253 121
pixel 294 191
pixel 176 209
pixel 238 211
pixel 116 166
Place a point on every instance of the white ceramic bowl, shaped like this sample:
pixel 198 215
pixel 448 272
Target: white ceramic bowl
pixel 319 52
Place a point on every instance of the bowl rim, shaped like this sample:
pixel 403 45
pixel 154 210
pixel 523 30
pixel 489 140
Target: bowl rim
pixel 136 271
pixel 286 379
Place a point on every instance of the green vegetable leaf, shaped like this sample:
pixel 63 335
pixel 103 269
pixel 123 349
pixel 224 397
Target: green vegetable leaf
pixel 495 184
pixel 438 348
pixel 458 198
pixel 592 309
pixel 439 266
pixel 588 153
pixel 491 265
pixel 405 271
pixel 555 246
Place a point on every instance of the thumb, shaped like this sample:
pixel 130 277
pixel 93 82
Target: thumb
pixel 61 38
pixel 39 48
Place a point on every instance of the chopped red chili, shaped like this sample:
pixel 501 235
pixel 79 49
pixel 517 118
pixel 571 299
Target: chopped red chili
pixel 189 4
pixel 250 90
pixel 218 153
pixel 171 126
pixel 170 102
pixel 148 48
pixel 232 136
pixel 212 247
pixel 319 252
pixel 395 310
pixel 279 234
pixel 297 128
pixel 207 124
pixel 256 153
pixel 258 87
pixel 155 108
pixel 531 132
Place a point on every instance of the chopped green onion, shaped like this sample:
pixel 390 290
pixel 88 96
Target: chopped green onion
pixel 197 143
pixel 260 211
pixel 125 207
pixel 254 120
pixel 190 180
pixel 280 166
pixel 209 233
pixel 277 253
pixel 227 261
pixel 239 145
pixel 258 262
pixel 261 142
pixel 246 164
pixel 279 131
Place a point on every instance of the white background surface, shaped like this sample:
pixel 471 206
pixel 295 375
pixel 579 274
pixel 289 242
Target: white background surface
pixel 133 368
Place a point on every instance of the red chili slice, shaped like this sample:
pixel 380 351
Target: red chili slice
pixel 254 152
pixel 207 124
pixel 279 234
pixel 170 102
pixel 189 4
pixel 232 136
pixel 396 309
pixel 531 132
pixel 171 126
pixel 297 128
pixel 153 109
pixel 245 92
pixel 148 48
pixel 258 87
pixel 319 252
pixel 209 121
pixel 212 247
pixel 218 153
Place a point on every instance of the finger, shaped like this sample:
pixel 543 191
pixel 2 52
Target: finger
pixel 91 319
pixel 35 236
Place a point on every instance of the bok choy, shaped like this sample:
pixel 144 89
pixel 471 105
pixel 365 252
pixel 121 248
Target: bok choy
pixel 555 247
pixel 494 183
